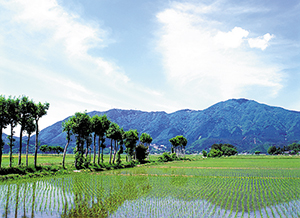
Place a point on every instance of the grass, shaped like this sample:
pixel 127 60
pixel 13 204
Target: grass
pixel 48 159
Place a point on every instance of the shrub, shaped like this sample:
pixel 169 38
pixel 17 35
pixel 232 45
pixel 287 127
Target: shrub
pixel 215 153
pixel 165 157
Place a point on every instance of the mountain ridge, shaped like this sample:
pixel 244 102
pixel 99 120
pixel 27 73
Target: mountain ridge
pixel 241 122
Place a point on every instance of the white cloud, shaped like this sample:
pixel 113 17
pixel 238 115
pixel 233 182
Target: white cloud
pixel 260 42
pixel 44 52
pixel 206 63
pixel 231 39
pixel 40 15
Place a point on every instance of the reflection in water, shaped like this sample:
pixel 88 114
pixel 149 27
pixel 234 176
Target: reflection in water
pixel 119 195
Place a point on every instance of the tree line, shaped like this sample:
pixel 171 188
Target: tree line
pixel 51 149
pixel 26 113
pixel 293 148
pixel 93 131
pixel 218 150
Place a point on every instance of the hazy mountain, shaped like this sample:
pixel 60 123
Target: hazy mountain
pixel 241 122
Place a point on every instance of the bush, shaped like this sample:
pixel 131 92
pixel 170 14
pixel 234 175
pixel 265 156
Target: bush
pixel 165 157
pixel 215 153
pixel 174 156
pixel 204 153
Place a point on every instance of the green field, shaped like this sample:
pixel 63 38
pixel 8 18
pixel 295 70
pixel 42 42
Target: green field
pixel 47 159
pixel 241 186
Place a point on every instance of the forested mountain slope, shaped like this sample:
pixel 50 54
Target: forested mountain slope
pixel 241 122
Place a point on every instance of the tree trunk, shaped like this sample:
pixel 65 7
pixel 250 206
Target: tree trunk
pixel 1 146
pixel 27 148
pixel 36 141
pixel 10 146
pixel 75 162
pixel 111 148
pixel 65 151
pixel 115 151
pixel 102 155
pixel 20 151
pixel 94 161
pixel 99 150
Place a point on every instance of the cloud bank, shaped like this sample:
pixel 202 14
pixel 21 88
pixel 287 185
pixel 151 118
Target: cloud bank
pixel 208 63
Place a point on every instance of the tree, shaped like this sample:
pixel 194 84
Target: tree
pixel 272 150
pixel 113 134
pixel 141 152
pixel 44 148
pixel 67 127
pixel 3 122
pixel 146 139
pixel 29 128
pixel 118 141
pixel 13 117
pixel 257 152
pixel 130 139
pixel 182 143
pixel 120 151
pixel 204 153
pixel 39 111
pixel 81 126
pixel 226 149
pixel 295 147
pixel 178 144
pixel 25 113
pixel 101 132
pixel 215 153
pixel 174 141
pixel 58 149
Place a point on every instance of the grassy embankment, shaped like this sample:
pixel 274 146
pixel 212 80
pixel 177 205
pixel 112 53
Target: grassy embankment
pixel 51 164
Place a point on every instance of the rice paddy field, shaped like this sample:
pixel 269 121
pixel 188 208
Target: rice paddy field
pixel 241 186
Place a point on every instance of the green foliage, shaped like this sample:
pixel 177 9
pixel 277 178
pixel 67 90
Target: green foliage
pixel 294 147
pixel 257 152
pixel 273 150
pixel 79 160
pixel 174 156
pixel 141 152
pixel 81 127
pixel 228 151
pixel 51 149
pixel 146 138
pixel 215 153
pixel 44 148
pixel 165 157
pixel 178 144
pixel 120 151
pixel 130 139
pixel 217 150
pixel 204 153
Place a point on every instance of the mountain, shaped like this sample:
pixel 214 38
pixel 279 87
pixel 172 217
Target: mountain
pixel 244 123
pixel 241 122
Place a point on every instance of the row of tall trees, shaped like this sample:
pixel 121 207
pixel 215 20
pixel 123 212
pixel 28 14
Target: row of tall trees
pixel 24 112
pixel 178 145
pixel 87 129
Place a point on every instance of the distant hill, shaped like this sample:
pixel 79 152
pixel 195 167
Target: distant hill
pixel 244 123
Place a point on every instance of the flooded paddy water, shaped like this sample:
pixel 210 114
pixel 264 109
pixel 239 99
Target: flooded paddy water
pixel 156 192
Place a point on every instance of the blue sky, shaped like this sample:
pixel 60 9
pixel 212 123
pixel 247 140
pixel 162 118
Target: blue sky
pixel 149 55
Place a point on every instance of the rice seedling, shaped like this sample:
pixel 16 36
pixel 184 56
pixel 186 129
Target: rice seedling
pixel 159 191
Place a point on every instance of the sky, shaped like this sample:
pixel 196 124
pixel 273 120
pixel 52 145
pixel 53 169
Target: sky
pixel 150 55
